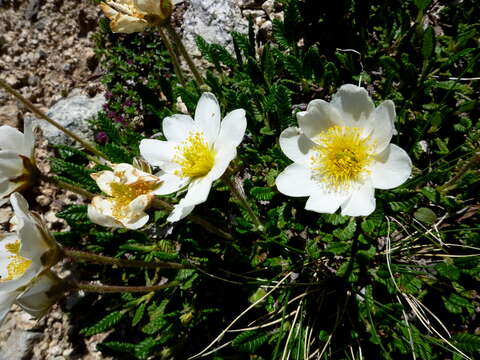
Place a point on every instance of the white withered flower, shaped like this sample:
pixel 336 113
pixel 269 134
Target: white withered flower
pixel 129 16
pixel 342 153
pixel 130 191
pixel 196 153
pixel 25 258
pixel 16 160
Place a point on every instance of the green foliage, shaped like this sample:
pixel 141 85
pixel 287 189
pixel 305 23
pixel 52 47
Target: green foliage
pixel 345 281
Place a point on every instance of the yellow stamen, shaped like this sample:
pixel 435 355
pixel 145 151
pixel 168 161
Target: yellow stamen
pixel 341 157
pixel 18 264
pixel 124 194
pixel 195 156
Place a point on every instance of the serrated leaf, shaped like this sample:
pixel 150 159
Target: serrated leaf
pixel 467 342
pixel 428 45
pixel 347 232
pixel 138 314
pixel 103 325
pixel 250 341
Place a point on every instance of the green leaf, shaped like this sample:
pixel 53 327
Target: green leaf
pixel 74 214
pixel 103 325
pixel 467 342
pixel 425 215
pixel 138 314
pixel 448 271
pixel 250 341
pixel 347 232
pixel 428 46
pixel 422 4
pixel 262 193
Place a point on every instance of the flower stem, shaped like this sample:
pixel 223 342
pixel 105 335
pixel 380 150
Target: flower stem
pixel 239 194
pixel 173 56
pixel 158 203
pixel 83 256
pixel 177 40
pixel 40 114
pixel 64 185
pixel 452 183
pixel 104 289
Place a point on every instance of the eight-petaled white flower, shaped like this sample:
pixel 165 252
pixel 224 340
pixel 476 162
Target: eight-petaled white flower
pixel 16 160
pixel 129 16
pixel 130 191
pixel 25 259
pixel 196 153
pixel 342 152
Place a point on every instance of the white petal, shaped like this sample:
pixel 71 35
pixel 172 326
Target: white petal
pixel 207 116
pixel 127 24
pixel 354 104
pixel 392 168
pixel 108 11
pixel 148 6
pixel 232 129
pixel 100 212
pixel 198 191
pixel 380 126
pixel 178 127
pixel 6 301
pixel 43 293
pixel 34 245
pixel 11 165
pixel 5 239
pixel 28 139
pixel 104 179
pixel 179 212
pixel 319 116
pixel 222 160
pixel 171 183
pixel 135 216
pixel 157 152
pixel 296 180
pixel 296 146
pixel 137 224
pixel 322 201
pixel 361 201
pixel 10 139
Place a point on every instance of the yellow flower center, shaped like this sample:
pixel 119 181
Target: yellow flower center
pixel 195 156
pixel 124 194
pixel 341 157
pixel 18 264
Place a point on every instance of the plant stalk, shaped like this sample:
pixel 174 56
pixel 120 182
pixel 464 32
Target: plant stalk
pixel 64 185
pixel 178 41
pixel 451 184
pixel 158 203
pixel 40 114
pixel 240 196
pixel 173 56
pixel 83 256
pixel 105 289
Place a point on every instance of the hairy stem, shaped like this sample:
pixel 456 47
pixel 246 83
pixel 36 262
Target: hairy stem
pixel 173 56
pixel 158 203
pixel 64 185
pixel 83 256
pixel 104 289
pixel 177 40
pixel 452 183
pixel 240 196
pixel 40 114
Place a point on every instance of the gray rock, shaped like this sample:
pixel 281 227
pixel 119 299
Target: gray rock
pixel 73 113
pixel 19 345
pixel 213 20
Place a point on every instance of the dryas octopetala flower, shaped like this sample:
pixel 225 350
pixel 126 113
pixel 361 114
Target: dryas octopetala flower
pixel 196 153
pixel 17 167
pixel 342 152
pixel 130 191
pixel 25 259
pixel 129 16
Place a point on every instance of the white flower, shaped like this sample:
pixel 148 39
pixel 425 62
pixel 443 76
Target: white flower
pixel 130 191
pixel 16 160
pixel 129 16
pixel 196 153
pixel 342 153
pixel 25 259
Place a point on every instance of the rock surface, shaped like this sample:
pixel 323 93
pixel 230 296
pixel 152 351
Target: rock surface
pixel 213 20
pixel 73 113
